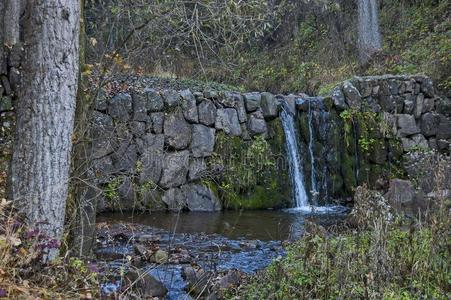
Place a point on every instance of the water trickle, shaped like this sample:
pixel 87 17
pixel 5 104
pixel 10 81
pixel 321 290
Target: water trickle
pixel 294 164
pixel 313 180
pixel 369 35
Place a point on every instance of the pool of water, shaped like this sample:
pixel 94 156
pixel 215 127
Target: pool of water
pixel 254 225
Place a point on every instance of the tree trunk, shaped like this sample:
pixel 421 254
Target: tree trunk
pixel 84 193
pixel 45 114
pixel 11 22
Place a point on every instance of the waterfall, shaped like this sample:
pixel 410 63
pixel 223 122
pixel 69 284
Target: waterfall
pixel 295 167
pixel 368 29
pixel 314 189
pixel 294 164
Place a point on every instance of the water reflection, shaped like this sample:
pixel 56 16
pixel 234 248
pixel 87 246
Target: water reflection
pixel 250 225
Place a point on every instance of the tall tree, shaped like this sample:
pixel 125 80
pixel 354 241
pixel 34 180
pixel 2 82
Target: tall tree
pixel 368 29
pixel 45 114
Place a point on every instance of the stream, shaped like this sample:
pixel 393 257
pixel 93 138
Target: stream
pixel 246 241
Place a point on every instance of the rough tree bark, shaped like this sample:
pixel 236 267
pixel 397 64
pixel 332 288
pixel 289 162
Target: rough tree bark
pixel 11 22
pixel 45 114
pixel 84 193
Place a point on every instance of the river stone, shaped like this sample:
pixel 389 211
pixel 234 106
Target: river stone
pixel 157 119
pixel 101 132
pixel 429 124
pixel 414 142
pixel 203 140
pixel 197 169
pixel 174 199
pixel 171 98
pixel 189 106
pixel 145 285
pixel 256 124
pixel 269 104
pixel 406 125
pixel 120 107
pixel 352 95
pixel 154 100
pixel 227 120
pixel 200 198
pixel 339 98
pixel 207 112
pixel 152 158
pixel 444 129
pixel 252 101
pixel 177 131
pixel 140 107
pixel 175 169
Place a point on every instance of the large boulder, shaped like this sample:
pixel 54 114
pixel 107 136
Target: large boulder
pixel 406 125
pixel 140 107
pixel 252 101
pixel 151 146
pixel 157 119
pixel 177 131
pixel 189 106
pixel 154 100
pixel 339 98
pixel 175 169
pixel 203 142
pixel 197 169
pixel 200 198
pixel 120 107
pixel 256 124
pixel 352 95
pixel 269 104
pixel 227 120
pixel 101 132
pixel 145 285
pixel 175 199
pixel 417 141
pixel 207 112
pixel 444 128
pixel 403 197
pixel 125 157
pixel 429 124
pixel 171 98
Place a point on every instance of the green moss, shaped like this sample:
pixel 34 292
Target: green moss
pixel 254 174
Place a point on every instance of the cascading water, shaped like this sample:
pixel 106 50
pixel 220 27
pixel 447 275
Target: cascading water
pixel 368 29
pixel 313 180
pixel 294 164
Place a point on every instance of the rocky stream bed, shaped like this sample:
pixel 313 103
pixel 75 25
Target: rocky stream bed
pixel 191 255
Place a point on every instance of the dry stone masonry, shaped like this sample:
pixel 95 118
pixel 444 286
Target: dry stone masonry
pixel 158 149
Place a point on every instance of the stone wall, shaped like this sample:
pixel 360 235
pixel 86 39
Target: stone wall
pixel 207 150
pixel 156 148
